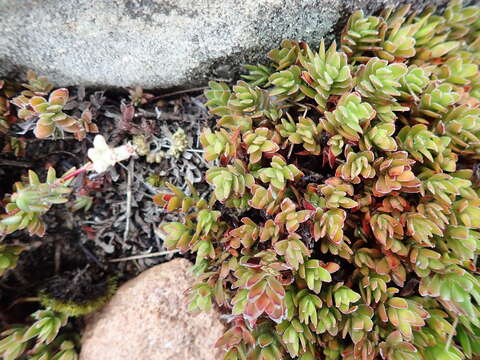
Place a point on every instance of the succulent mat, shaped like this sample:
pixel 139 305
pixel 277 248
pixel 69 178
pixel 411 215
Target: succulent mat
pixel 345 213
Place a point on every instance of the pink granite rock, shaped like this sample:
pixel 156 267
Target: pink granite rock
pixel 148 319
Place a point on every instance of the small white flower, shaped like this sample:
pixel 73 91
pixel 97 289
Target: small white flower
pixel 104 156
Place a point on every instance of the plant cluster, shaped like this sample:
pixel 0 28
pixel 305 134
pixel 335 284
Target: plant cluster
pixel 40 340
pixel 62 298
pixel 344 219
pixel 47 115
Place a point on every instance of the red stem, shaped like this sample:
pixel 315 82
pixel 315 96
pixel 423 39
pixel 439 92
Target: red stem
pixel 71 175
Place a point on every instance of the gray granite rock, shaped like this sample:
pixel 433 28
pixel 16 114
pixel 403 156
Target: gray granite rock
pixel 159 43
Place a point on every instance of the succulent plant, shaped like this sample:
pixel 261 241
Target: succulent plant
pixel 46 327
pixel 419 142
pixel 36 85
pixel 12 345
pixel 233 179
pixel 356 165
pixel 437 99
pixel 257 74
pixel 414 82
pixel 305 132
pixel 379 82
pixel 457 70
pixel 9 256
pixel 278 173
pixel 357 230
pixel 32 200
pixel 286 84
pixel 326 73
pixel 259 142
pixel 362 35
pixel 51 118
pixel 349 117
pixel 462 125
pixel 17 341
pixel 399 41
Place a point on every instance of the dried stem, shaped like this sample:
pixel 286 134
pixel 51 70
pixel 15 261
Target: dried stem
pixel 143 256
pixel 128 213
pixel 179 92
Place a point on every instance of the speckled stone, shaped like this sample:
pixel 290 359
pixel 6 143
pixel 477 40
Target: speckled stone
pixel 160 43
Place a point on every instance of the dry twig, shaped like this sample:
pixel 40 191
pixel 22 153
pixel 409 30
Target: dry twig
pixel 143 256
pixel 128 212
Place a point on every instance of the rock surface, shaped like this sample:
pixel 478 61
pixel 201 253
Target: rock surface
pixel 147 319
pixel 160 43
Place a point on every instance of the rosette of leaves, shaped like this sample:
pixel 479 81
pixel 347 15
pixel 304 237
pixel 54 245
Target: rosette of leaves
pixel 253 101
pixel 12 345
pixel 459 19
pixel 326 73
pixel 219 143
pixel 379 83
pixel 343 298
pixel 443 187
pixel 287 84
pixel 257 74
pixel 289 217
pixel 266 199
pixel 264 292
pixel 437 100
pixel 349 118
pixel 305 132
pixel 356 165
pixel 46 327
pixel 233 179
pixel 336 144
pixel 36 85
pixel 429 26
pixel 373 286
pixel 359 323
pixel 403 314
pixel 335 193
pixel 380 136
pixel 329 224
pixel 414 82
pixel 259 142
pixel 399 40
pixel 293 250
pixel 455 289
pixel 279 173
pixel 315 273
pixel 31 200
pixel 357 235
pixel 362 34
pixel 17 341
pixel 387 230
pixel 462 125
pixel 218 96
pixel 51 116
pixel 395 347
pixel 395 173
pixel 286 55
pixel 419 142
pixel 458 70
